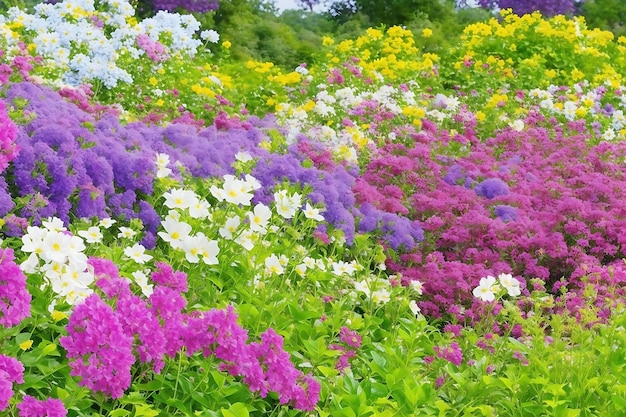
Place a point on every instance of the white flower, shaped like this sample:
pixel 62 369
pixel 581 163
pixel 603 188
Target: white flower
pixel 54 224
pixel 414 308
pixel 243 157
pixel 180 198
pixel 234 191
pixel 273 265
pixel 486 289
pixel 200 210
pixel 363 287
pixel 286 205
pixel 246 239
pixel 106 222
pixel 210 35
pixel 55 246
pixel 230 227
pixel 517 125
pixel 162 162
pixel 137 253
pixel 142 280
pixel 91 235
pixel 259 218
pixel 126 232
pixel 343 268
pixel 312 213
pixel 381 296
pixel 417 286
pixel 175 232
pixel 510 284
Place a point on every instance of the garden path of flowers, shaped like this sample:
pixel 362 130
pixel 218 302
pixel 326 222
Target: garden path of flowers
pixel 387 232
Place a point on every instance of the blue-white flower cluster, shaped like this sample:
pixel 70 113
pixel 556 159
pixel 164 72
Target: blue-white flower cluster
pixel 87 40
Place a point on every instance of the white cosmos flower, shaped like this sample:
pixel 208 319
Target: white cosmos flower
pixel 246 239
pixel 486 289
pixel 414 308
pixel 137 253
pixel 55 247
pixel 417 286
pixel 343 268
pixel 243 157
pixel 381 296
pixel 200 210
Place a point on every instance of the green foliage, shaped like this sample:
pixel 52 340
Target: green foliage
pixel 606 15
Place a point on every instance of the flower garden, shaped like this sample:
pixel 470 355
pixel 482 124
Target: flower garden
pixel 385 232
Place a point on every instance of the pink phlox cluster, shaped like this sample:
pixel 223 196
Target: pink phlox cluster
pixel 99 350
pixel 293 387
pixel 11 371
pixel 350 343
pixel 167 277
pixel 32 407
pixel 154 49
pixel 451 353
pixel 8 136
pixel 14 296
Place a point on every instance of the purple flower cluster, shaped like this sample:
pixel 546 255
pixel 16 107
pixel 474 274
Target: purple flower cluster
pixel 199 6
pixel 14 296
pixel 536 204
pixel 32 407
pixel 11 371
pixel 101 339
pixel 451 353
pixel 350 343
pixel 8 135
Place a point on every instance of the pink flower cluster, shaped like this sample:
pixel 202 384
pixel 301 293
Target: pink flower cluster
pixel 154 49
pixel 350 343
pixel 8 135
pixel 101 339
pixel 14 296
pixel 540 203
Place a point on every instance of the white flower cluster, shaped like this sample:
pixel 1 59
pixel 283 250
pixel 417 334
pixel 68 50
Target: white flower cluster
pixel 87 44
pixel 59 256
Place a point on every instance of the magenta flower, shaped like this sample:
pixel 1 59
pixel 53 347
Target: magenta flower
pixel 32 407
pixel 14 296
pixel 11 371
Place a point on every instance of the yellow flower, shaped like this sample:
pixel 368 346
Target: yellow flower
pixel 227 44
pixel 26 344
pixel 480 116
pixel 58 315
pixel 327 41
pixel 427 33
pixel 153 81
pixel 577 74
pixel 160 102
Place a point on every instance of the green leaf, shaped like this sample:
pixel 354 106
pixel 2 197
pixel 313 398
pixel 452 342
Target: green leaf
pixel 142 410
pixel 120 412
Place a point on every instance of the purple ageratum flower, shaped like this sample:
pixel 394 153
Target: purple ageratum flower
pixel 99 351
pixel 455 175
pixel 14 296
pixel 505 212
pixel 491 188
pixel 32 407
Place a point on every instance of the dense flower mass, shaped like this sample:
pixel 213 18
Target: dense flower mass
pixel 14 296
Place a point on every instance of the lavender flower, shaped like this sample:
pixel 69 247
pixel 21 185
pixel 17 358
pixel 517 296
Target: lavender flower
pixel 491 188
pixel 11 371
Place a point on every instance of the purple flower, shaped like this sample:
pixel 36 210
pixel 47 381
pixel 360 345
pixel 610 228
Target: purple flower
pixel 99 351
pixel 452 353
pixel 32 407
pixel 14 296
pixel 11 371
pixel 505 212
pixel 491 187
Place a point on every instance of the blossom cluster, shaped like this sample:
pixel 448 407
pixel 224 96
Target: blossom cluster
pixel 102 339
pixel 81 44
